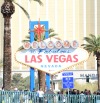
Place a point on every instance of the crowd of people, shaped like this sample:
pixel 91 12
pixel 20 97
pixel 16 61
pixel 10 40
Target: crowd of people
pixel 77 96
pixel 86 92
pixel 72 96
pixel 63 96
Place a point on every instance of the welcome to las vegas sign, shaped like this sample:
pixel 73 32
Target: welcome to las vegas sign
pixel 51 56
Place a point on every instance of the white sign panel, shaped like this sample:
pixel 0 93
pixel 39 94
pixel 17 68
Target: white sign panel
pixel 77 74
pixel 53 60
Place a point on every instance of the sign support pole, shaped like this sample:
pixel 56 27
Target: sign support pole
pixel 32 79
pixel 47 75
pixel 68 95
pixel 47 81
pixel 32 71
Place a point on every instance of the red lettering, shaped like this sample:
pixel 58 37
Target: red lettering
pixel 75 58
pixel 55 58
pixel 39 58
pixel 33 59
pixel 26 59
pixel 69 58
pixel 49 58
pixel 62 58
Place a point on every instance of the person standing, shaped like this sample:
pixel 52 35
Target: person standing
pixel 82 97
pixel 16 98
pixel 40 94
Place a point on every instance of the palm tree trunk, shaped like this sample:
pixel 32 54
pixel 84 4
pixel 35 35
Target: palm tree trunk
pixel 41 77
pixel 7 55
pixel 52 86
pixel 7 9
pixel 98 69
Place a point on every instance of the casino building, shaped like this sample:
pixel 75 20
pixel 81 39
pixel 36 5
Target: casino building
pixel 71 19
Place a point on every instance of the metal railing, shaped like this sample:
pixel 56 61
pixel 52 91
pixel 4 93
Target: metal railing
pixel 32 97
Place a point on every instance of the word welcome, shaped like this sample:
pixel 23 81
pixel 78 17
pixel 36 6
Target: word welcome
pixel 50 44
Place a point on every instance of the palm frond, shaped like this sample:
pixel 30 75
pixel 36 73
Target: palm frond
pixel 26 13
pixel 92 36
pixel 39 1
pixel 92 45
pixel 35 38
pixel 98 40
pixel 26 40
pixel 98 50
pixel 51 30
pixel 90 48
pixel 83 44
pixel 27 36
pixel 52 34
pixel 89 40
pixel 57 38
pixel 43 36
pixel 20 48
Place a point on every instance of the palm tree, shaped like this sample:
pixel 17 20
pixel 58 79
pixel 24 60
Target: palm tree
pixel 7 9
pixel 93 46
pixel 41 74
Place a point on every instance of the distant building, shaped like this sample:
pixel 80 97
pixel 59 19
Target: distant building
pixel 71 19
pixel 78 75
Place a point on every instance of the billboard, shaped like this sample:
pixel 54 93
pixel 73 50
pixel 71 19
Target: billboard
pixel 51 55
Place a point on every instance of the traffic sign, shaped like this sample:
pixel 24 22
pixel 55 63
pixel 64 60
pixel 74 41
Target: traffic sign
pixel 68 85
pixel 67 80
pixel 67 74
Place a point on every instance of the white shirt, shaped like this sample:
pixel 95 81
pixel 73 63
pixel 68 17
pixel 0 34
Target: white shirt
pixel 40 93
pixel 82 97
